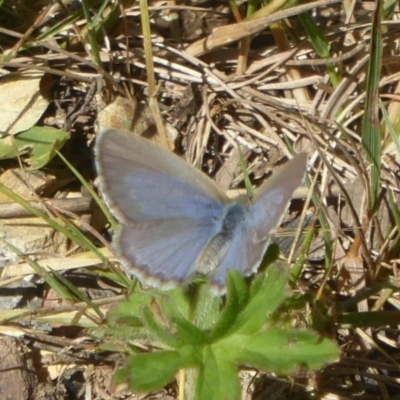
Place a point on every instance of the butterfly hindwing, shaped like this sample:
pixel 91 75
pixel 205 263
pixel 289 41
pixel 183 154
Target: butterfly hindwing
pixel 273 197
pixel 262 216
pixel 163 253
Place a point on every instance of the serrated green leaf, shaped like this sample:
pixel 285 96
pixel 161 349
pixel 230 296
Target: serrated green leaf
pixel 266 295
pixel 151 371
pixel 280 350
pixel 129 311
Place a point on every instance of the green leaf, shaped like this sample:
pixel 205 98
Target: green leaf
pixel 280 350
pixel 151 371
pixel 205 307
pixel 266 294
pixel 130 307
pixel 237 284
pixel 175 308
pixel 270 256
pixel 242 334
pixel 173 302
pixel 236 298
pixel 40 142
pixel 126 321
pixel 218 377
pixel 159 330
pixel 189 334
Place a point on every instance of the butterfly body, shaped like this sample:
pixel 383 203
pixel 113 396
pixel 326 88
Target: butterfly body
pixel 231 222
pixel 175 221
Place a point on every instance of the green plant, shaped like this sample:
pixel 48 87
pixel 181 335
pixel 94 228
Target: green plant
pixel 249 329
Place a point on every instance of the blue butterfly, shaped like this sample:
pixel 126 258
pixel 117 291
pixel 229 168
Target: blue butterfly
pixel 176 222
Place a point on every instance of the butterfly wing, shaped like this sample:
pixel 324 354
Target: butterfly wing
pixel 264 215
pixel 168 210
pixel 273 197
pixel 163 253
pixel 141 181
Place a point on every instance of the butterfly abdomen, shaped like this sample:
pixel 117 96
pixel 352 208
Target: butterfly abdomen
pixel 231 221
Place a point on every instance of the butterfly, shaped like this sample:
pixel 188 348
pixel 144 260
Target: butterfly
pixel 174 220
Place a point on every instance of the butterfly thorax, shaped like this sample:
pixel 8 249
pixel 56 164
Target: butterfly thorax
pixel 230 222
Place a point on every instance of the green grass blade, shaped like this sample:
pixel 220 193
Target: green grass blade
pixel 92 192
pixel 371 135
pixel 61 290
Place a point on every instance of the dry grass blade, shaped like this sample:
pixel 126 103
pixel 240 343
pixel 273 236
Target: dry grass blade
pixel 232 33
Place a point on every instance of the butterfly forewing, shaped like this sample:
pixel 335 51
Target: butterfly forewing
pixel 141 181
